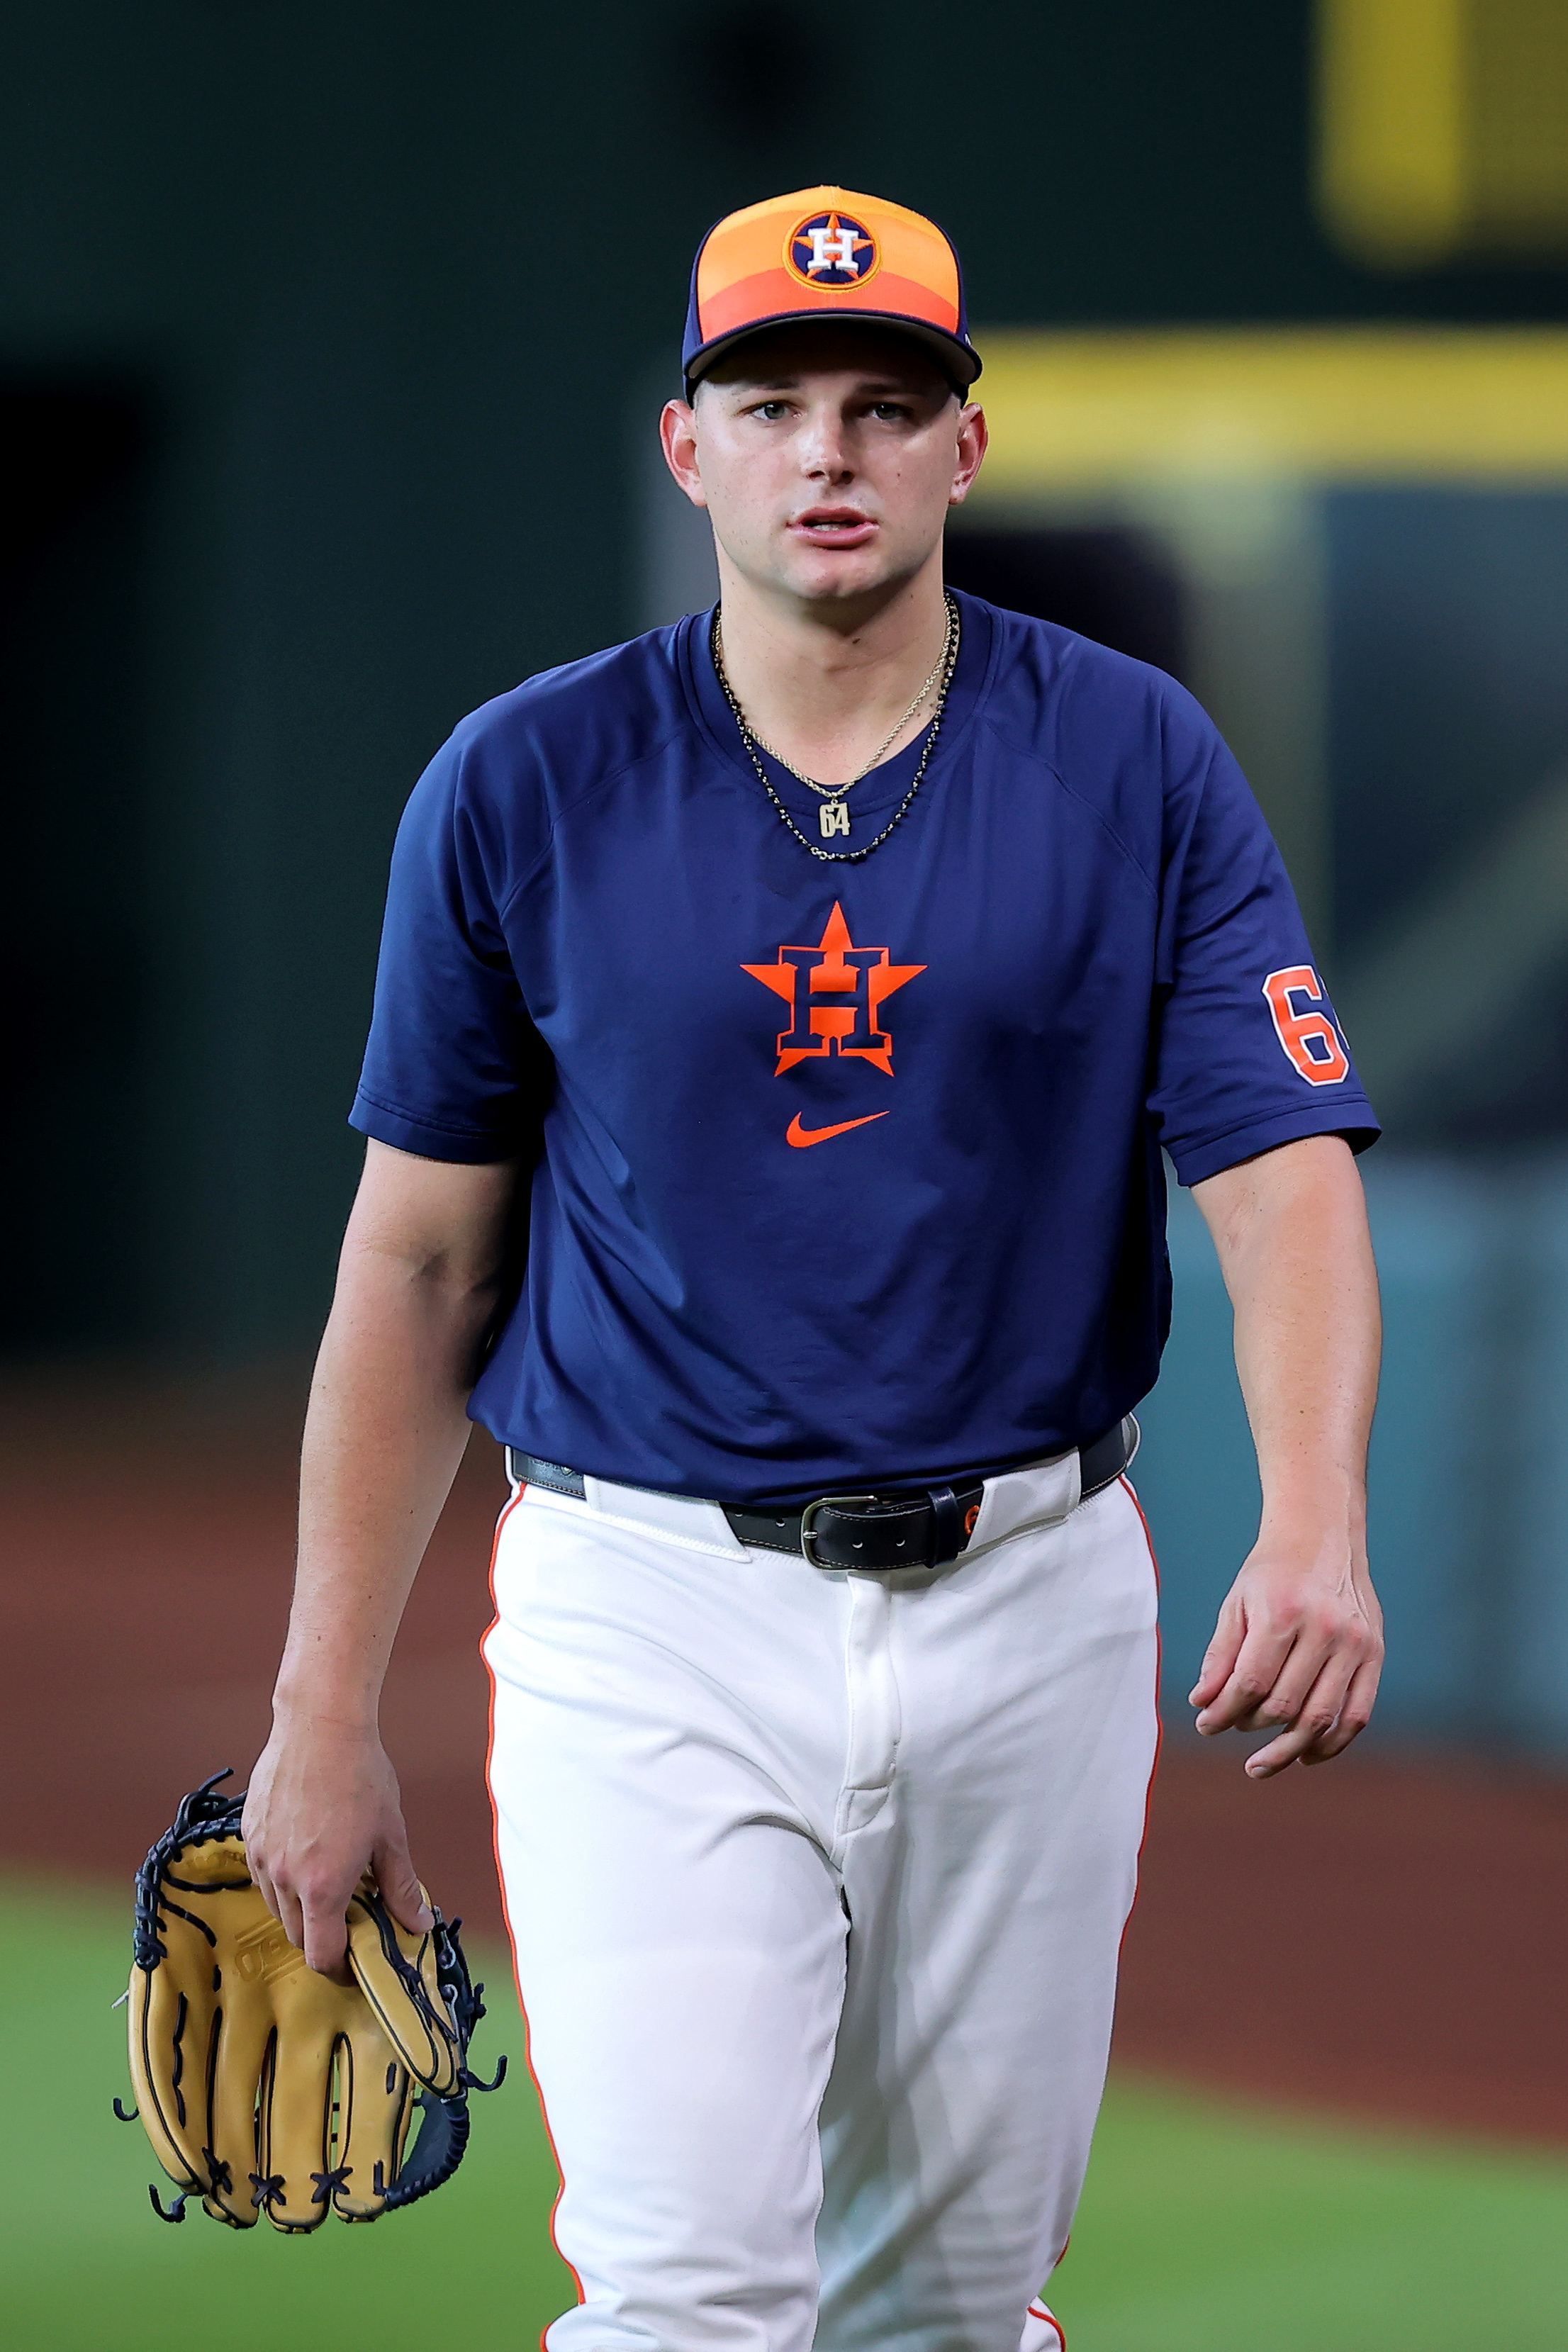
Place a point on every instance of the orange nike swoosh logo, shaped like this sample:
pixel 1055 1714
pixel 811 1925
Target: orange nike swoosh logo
pixel 801 1136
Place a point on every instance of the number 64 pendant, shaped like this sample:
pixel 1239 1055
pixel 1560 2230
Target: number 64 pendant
pixel 833 816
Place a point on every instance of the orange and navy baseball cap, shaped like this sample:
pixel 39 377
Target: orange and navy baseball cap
pixel 826 253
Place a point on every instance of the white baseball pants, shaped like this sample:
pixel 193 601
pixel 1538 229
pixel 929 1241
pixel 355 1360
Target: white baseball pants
pixel 816 1882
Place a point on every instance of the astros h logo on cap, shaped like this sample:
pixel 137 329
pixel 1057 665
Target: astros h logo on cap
pixel 833 249
pixel 826 253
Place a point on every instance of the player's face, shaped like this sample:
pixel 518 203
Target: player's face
pixel 828 458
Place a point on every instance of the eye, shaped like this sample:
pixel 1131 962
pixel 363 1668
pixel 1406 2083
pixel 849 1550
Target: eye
pixel 889 412
pixel 769 411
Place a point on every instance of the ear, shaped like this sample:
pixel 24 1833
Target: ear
pixel 678 433
pixel 973 440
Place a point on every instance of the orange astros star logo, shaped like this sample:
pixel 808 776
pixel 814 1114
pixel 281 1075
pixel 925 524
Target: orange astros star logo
pixel 835 992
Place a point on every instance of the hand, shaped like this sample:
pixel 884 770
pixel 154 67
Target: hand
pixel 1299 1648
pixel 324 1806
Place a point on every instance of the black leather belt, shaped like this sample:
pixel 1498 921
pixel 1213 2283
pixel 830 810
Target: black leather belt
pixel 923 1526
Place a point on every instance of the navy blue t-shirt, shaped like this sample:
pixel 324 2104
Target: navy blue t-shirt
pixel 843 1174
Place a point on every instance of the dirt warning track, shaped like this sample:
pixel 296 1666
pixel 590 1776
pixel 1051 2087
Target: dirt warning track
pixel 1380 1937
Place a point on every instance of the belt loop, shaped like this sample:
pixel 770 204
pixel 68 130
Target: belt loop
pixel 947 1526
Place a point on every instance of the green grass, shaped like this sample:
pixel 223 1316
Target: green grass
pixel 1205 2227
pixel 85 2266
pixel 1208 2227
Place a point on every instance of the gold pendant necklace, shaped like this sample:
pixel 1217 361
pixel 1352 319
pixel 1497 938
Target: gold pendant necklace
pixel 833 816
pixel 841 822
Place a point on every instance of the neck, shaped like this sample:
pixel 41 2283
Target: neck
pixel 824 682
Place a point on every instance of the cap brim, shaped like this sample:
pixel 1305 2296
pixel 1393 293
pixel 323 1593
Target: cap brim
pixel 959 362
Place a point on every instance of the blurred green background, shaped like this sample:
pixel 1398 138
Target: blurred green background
pixel 332 338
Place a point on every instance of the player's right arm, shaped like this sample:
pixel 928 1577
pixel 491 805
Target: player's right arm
pixel 423 1266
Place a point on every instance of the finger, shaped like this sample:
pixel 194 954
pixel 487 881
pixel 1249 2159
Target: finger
pixel 1253 1676
pixel 265 1885
pixel 289 1912
pixel 1220 1656
pixel 278 1897
pixel 1348 1684
pixel 1355 1715
pixel 1317 1651
pixel 400 1892
pixel 325 1938
pixel 1315 1720
pixel 260 1878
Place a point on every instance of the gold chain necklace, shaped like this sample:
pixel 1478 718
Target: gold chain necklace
pixel 832 791
pixel 833 816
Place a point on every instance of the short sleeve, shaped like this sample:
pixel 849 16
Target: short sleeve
pixel 1248 1050
pixel 452 1067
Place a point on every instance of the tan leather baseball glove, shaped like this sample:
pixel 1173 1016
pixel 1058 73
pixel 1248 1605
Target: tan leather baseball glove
pixel 266 2088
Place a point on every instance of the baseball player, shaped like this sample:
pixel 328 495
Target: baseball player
pixel 780 1020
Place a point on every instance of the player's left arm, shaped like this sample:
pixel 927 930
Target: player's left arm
pixel 1299 1647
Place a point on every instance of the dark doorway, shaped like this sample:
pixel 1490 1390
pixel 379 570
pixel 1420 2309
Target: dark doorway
pixel 73 808
pixel 1110 585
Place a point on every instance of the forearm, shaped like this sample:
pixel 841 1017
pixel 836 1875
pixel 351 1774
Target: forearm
pixel 384 1436
pixel 420 1275
pixel 1292 1239
pixel 422 1268
pixel 1299 1646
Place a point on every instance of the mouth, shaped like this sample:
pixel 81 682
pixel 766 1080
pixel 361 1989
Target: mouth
pixel 833 527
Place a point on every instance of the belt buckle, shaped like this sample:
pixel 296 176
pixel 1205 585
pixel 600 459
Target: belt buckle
pixel 808 1520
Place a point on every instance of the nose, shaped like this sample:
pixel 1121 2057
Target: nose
pixel 824 446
